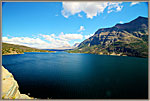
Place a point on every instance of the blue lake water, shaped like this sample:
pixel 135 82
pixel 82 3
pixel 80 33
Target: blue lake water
pixel 64 75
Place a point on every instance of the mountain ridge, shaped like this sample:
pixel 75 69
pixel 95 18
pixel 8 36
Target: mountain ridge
pixel 129 39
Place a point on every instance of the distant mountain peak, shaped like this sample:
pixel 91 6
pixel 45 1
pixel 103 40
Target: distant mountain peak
pixel 134 25
pixel 140 17
pixel 76 45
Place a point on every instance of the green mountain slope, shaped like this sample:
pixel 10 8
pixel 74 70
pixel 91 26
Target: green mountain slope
pixel 18 49
pixel 129 39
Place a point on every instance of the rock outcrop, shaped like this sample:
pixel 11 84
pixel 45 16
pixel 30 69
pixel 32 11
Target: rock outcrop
pixel 10 88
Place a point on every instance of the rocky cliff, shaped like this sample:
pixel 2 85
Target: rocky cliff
pixel 10 88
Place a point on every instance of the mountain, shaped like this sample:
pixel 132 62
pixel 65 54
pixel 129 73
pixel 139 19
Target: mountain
pixel 18 49
pixel 76 45
pixel 129 39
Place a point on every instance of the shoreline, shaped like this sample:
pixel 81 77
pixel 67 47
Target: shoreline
pixel 24 52
pixel 12 54
pixel 110 54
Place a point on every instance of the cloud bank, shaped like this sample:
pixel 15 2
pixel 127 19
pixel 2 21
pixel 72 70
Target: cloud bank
pixel 26 41
pixel 43 41
pixel 91 9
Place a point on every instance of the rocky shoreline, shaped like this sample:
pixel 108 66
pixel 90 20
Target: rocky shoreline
pixel 13 53
pixel 22 53
pixel 101 53
pixel 10 88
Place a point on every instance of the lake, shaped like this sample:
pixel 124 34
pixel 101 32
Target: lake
pixel 63 75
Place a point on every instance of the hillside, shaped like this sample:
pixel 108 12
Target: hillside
pixel 129 39
pixel 18 49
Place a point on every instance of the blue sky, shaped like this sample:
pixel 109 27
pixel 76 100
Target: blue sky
pixel 61 24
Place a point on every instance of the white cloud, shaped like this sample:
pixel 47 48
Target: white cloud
pixel 69 37
pixel 48 37
pixel 114 6
pixel 76 42
pixel 109 11
pixel 60 43
pixel 119 8
pixel 44 41
pixel 79 15
pixel 55 41
pixel 88 36
pixel 90 8
pixel 36 43
pixel 121 22
pixel 134 3
pixel 52 35
pixel 31 42
pixel 62 40
pixel 81 28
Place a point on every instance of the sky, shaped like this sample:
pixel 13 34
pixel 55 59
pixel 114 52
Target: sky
pixel 48 25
